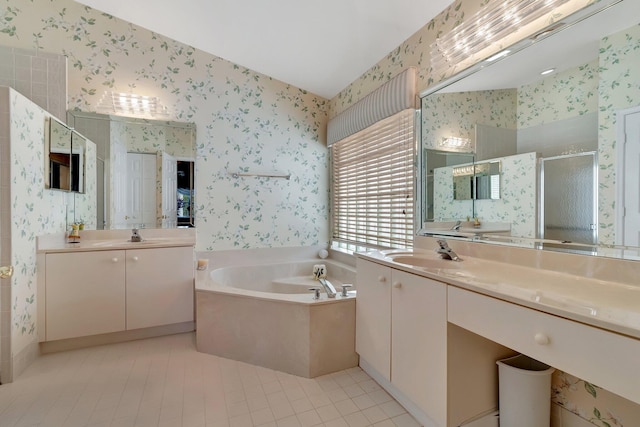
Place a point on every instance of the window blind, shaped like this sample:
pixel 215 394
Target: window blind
pixel 373 184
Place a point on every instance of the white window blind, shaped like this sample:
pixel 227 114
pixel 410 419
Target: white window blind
pixel 373 184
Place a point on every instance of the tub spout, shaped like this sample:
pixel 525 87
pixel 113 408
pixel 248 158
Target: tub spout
pixel 328 287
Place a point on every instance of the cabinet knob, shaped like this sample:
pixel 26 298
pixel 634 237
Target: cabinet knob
pixel 135 258
pixel 114 259
pixel 382 279
pixel 397 285
pixel 541 339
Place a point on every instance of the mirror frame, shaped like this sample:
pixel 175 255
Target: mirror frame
pixel 73 182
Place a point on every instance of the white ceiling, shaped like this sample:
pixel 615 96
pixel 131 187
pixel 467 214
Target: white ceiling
pixel 319 46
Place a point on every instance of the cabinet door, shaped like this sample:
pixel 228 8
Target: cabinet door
pixel 419 342
pixel 159 286
pixel 84 294
pixel 373 316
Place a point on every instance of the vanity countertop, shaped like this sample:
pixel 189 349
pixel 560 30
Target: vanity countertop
pixel 604 304
pixel 116 240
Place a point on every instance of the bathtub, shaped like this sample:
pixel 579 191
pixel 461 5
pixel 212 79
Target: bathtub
pixel 265 315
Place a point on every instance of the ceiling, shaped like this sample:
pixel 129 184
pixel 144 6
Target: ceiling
pixel 319 46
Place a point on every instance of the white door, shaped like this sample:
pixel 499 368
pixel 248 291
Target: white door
pixel 141 190
pixel 169 191
pixel 119 212
pixel 629 180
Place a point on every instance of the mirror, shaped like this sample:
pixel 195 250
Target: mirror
pixel 477 181
pixel 65 160
pixel 568 119
pixel 145 170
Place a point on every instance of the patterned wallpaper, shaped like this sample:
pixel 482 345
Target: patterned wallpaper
pixel 573 92
pixel 245 121
pixel 35 210
pixel 456 114
pixel 619 89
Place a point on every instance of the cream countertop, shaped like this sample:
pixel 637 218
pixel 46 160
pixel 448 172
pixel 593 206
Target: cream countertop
pixel 106 240
pixel 609 305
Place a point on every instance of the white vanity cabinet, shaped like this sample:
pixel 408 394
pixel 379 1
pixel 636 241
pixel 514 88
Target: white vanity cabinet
pixel 401 333
pixel 98 292
pixel 373 316
pixel 85 294
pixel 159 287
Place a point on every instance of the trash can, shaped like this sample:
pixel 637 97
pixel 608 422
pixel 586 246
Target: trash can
pixel 524 386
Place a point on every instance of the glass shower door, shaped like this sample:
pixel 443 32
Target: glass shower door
pixel 569 198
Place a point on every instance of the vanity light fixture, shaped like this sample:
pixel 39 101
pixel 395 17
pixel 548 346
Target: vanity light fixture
pixel 131 104
pixel 456 143
pixel 493 27
pixel 498 55
pixel 549 71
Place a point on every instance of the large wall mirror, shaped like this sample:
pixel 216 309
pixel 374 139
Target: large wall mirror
pixel 65 157
pixel 553 113
pixel 145 170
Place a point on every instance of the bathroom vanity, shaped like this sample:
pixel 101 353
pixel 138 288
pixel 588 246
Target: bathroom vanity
pixel 106 290
pixel 430 330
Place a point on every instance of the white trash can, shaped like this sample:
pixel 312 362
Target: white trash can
pixel 524 392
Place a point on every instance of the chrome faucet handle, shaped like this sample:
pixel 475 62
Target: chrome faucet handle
pixel 345 290
pixel 316 291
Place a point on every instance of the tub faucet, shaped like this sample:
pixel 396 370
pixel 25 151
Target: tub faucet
pixel 446 252
pixel 320 274
pixel 328 287
pixel 135 237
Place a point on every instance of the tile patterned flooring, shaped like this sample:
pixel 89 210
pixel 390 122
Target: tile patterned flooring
pixel 166 382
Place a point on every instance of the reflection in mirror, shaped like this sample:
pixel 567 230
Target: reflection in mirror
pixel 438 162
pixel 477 181
pixel 58 159
pixel 512 113
pixel 78 166
pixel 145 170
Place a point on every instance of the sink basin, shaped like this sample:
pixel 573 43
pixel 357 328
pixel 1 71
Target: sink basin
pixel 424 262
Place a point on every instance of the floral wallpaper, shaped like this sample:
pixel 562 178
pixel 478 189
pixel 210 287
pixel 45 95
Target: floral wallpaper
pixel 175 139
pixel 573 92
pixel 456 114
pixel 619 88
pixel 34 210
pixel 245 121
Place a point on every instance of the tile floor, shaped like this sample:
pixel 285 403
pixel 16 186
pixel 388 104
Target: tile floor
pixel 166 382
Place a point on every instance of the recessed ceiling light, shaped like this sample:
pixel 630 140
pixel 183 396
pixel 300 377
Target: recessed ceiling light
pixel 549 71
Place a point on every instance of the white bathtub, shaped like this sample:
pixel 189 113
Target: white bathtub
pixel 265 315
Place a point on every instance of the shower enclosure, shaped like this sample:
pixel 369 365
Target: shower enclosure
pixel 569 198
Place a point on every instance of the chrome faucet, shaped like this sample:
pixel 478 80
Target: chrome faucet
pixel 457 226
pixel 320 274
pixel 328 287
pixel 446 252
pixel 135 237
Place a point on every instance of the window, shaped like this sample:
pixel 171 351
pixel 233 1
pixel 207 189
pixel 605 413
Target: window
pixel 373 184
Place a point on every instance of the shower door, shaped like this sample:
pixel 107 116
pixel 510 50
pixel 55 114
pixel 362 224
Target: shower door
pixel 569 198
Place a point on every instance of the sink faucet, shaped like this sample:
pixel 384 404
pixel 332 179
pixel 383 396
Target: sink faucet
pixel 446 252
pixel 456 227
pixel 135 237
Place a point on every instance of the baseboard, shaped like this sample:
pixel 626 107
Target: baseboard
pixel 22 360
pixel 115 337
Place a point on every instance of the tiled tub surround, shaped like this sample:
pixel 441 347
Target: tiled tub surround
pixel 587 308
pixel 265 315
